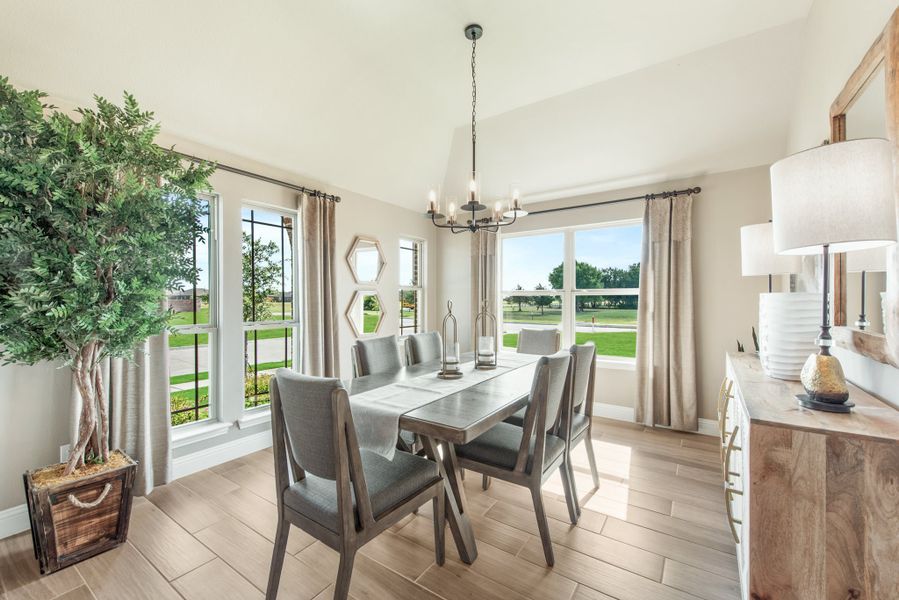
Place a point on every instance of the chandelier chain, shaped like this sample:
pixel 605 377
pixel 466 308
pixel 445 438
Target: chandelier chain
pixel 474 102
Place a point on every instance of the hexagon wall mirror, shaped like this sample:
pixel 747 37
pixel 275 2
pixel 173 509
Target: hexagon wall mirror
pixel 366 260
pixel 365 313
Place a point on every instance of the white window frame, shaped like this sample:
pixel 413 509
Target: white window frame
pixel 260 414
pixel 568 291
pixel 422 282
pixel 212 327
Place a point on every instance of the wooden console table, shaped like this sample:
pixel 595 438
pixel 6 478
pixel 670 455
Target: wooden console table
pixel 813 497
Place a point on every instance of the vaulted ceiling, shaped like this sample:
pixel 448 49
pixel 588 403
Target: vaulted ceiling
pixel 369 96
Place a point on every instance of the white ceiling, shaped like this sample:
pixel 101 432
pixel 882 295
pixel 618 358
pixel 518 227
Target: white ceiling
pixel 354 93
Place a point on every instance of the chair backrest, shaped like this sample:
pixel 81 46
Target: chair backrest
pixel 312 430
pixel 377 355
pixel 539 341
pixel 423 347
pixel 583 373
pixel 550 394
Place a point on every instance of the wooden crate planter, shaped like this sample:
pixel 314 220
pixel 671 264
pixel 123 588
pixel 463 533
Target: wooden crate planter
pixel 75 519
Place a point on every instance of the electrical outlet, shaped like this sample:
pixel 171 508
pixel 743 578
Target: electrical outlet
pixel 64 452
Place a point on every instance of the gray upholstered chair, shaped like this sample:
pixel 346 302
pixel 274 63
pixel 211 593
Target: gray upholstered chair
pixel 528 455
pixel 539 341
pixel 376 355
pixel 328 487
pixel 423 347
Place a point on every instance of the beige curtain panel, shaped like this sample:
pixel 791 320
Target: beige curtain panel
pixel 666 352
pixel 320 353
pixel 483 279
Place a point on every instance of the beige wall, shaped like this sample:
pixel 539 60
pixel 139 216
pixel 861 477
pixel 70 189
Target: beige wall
pixel 37 398
pixel 726 304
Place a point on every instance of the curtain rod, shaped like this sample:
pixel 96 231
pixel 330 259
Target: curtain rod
pixel 251 175
pixel 657 196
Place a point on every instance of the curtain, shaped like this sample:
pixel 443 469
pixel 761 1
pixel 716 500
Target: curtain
pixel 666 354
pixel 319 332
pixel 139 419
pixel 483 281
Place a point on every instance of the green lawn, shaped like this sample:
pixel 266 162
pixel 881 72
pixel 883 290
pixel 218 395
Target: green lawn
pixel 553 316
pixel 202 375
pixel 370 321
pixel 178 340
pixel 607 343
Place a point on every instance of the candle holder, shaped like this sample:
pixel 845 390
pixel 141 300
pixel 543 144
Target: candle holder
pixel 488 346
pixel 450 364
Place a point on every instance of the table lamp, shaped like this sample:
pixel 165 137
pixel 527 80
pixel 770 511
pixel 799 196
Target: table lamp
pixel 787 321
pixel 872 260
pixel 833 198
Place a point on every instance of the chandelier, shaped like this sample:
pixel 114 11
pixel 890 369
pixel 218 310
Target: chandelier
pixel 465 217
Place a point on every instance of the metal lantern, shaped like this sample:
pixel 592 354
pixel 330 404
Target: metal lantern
pixel 488 345
pixel 451 363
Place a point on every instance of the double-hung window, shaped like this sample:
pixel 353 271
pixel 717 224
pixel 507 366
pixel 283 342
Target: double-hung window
pixel 270 294
pixel 584 281
pixel 193 342
pixel 411 290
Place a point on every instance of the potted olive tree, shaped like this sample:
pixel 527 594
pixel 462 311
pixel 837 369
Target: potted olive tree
pixel 96 221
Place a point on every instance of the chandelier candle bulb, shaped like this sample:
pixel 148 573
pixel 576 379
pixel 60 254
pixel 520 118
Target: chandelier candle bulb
pixel 432 202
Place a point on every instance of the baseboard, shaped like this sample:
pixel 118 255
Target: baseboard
pixel 14 520
pixel 627 413
pixel 220 453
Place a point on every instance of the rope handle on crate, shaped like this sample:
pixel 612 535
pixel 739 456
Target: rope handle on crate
pixel 79 504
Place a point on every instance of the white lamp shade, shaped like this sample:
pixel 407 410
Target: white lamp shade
pixel 872 260
pixel 838 194
pixel 758 256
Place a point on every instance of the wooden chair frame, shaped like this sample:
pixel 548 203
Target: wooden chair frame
pixel 535 425
pixel 586 436
pixel 350 476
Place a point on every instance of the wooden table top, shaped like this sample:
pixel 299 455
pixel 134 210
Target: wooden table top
pixel 464 415
pixel 773 402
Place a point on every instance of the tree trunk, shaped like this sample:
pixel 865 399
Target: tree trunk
pixel 82 368
pixel 102 407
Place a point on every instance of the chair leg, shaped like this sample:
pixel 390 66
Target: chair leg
pixel 574 496
pixel 440 528
pixel 543 526
pixel 588 442
pixel 570 492
pixel 344 573
pixel 274 574
pixel 485 483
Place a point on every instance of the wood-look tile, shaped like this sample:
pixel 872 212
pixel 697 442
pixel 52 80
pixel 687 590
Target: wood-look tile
pixel 453 581
pixel 554 507
pixel 261 516
pixel 710 476
pixel 20 577
pixel 699 582
pixel 262 460
pixel 187 508
pixel 713 537
pixel 125 573
pixel 370 579
pixel 674 548
pixel 216 581
pixel 395 552
pixel 328 594
pixel 593 544
pixel 613 498
pixel 79 593
pixel 584 593
pixel 208 484
pixel 694 514
pixel 168 547
pixel 601 576
pixel 252 478
pixel 250 554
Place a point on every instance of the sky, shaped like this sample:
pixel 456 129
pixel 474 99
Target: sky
pixel 528 260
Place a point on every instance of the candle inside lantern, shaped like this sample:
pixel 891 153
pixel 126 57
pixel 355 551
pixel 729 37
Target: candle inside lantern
pixel 485 346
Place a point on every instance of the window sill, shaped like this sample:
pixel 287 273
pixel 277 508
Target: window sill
pixel 257 416
pixel 616 363
pixel 197 432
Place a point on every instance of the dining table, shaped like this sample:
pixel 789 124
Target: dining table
pixel 457 418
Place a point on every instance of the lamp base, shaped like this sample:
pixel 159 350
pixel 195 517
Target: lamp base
pixel 807 401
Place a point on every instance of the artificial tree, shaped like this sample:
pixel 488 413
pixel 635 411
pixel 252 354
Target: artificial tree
pixel 96 222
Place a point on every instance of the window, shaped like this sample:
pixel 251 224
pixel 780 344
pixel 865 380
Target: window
pixel 411 293
pixel 194 308
pixel 583 281
pixel 532 267
pixel 270 315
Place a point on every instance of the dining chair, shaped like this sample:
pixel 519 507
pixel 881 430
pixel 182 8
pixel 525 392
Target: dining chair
pixel 539 341
pixel 327 486
pixel 528 455
pixel 376 355
pixel 423 347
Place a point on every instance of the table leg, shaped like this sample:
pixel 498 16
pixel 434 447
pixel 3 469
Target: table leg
pixel 456 509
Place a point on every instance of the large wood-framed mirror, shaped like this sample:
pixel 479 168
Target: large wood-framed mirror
pixel 868 106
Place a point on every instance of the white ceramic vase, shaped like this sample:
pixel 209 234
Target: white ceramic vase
pixel 789 323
